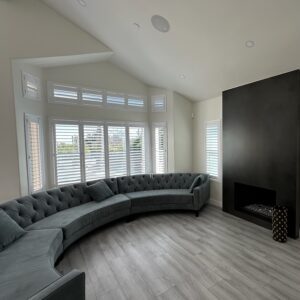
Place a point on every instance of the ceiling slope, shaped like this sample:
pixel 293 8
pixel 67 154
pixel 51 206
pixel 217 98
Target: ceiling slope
pixel 206 41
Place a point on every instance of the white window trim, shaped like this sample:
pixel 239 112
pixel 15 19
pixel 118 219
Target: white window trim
pixel 38 119
pixel 104 93
pixel 53 121
pixel 219 124
pixel 155 125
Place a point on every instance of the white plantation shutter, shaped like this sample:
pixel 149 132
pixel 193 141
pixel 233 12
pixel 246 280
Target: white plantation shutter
pixel 67 153
pixel 60 92
pixel 137 150
pixel 94 152
pixel 35 167
pixel 117 154
pixel 160 147
pixel 115 99
pixel 136 102
pixel 92 96
pixel 212 133
pixel 31 86
pixel 159 103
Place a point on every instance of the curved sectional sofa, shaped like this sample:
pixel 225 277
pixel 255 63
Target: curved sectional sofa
pixel 56 218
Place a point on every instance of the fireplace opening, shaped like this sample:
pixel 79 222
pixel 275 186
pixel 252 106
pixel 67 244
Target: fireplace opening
pixel 254 200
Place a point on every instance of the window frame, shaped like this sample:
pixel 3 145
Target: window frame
pixel 105 124
pixel 219 126
pixel 37 119
pixel 157 125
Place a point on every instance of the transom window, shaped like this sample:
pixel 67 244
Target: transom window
pixel 88 151
pixel 62 93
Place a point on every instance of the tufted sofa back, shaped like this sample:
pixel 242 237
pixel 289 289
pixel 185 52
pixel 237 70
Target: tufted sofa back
pixel 136 183
pixel 30 209
pixel 173 180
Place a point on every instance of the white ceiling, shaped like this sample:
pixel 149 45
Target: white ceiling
pixel 206 41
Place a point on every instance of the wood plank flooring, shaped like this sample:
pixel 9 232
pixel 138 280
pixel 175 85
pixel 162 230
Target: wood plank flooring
pixel 177 256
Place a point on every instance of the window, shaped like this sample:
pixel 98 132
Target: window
pixel 159 103
pixel 94 152
pixel 35 164
pixel 92 96
pixel 115 99
pixel 62 93
pixel 212 148
pixel 136 102
pixel 59 93
pixel 160 147
pixel 67 153
pixel 137 150
pixel 31 86
pixel 85 151
pixel 117 151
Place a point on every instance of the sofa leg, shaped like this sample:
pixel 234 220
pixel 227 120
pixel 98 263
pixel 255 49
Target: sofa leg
pixel 197 213
pixel 130 219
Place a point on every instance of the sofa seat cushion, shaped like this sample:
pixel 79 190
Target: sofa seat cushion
pixel 27 265
pixel 159 197
pixel 75 219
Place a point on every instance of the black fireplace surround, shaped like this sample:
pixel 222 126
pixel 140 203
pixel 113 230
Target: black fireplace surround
pixel 261 139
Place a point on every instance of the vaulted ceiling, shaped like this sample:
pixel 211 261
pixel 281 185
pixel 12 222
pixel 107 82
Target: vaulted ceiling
pixel 206 41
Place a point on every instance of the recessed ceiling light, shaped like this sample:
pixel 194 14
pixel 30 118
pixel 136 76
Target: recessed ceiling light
pixel 250 44
pixel 160 23
pixel 137 26
pixel 82 3
pixel 182 76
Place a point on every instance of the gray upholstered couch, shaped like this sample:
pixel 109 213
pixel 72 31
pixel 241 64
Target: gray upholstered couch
pixel 56 218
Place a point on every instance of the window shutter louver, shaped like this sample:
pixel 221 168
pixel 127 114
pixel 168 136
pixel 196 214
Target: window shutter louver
pixel 67 153
pixel 117 155
pixel 34 153
pixel 159 103
pixel 137 150
pixel 160 148
pixel 94 152
pixel 212 148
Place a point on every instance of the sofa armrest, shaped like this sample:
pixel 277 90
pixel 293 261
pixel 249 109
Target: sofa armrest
pixel 69 287
pixel 201 194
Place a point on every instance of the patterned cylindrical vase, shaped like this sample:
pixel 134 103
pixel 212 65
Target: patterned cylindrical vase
pixel 280 223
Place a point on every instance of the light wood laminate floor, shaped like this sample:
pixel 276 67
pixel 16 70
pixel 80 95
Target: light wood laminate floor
pixel 177 256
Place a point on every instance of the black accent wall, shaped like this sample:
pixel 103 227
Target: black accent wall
pixel 261 144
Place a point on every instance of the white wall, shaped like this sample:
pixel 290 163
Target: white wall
pixel 29 29
pixel 208 110
pixel 183 134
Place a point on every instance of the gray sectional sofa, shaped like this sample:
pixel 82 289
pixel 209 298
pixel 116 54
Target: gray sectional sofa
pixel 56 218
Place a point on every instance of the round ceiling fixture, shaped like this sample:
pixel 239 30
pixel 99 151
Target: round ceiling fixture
pixel 250 44
pixel 160 23
pixel 82 3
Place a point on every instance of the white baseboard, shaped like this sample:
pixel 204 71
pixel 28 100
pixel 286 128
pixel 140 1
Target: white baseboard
pixel 215 202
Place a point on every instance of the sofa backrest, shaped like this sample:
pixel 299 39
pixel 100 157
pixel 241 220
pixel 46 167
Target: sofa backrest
pixel 30 209
pixel 135 183
pixel 173 180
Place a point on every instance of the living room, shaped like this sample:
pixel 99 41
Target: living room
pixel 150 150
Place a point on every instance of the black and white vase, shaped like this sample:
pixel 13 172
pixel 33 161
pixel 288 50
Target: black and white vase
pixel 280 223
